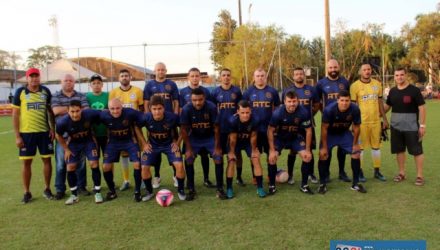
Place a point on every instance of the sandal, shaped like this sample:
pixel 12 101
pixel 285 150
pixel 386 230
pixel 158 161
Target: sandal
pixel 399 178
pixel 420 181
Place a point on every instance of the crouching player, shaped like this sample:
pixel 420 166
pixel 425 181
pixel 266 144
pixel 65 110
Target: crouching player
pixel 243 130
pixel 77 124
pixel 337 119
pixel 121 126
pixel 284 133
pixel 162 138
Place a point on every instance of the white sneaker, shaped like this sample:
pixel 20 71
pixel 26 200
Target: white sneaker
pixel 156 182
pixel 72 200
pixel 147 196
pixel 176 184
pixel 291 181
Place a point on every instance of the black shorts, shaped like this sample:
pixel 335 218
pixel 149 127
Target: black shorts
pixel 101 142
pixel 402 140
pixel 32 141
pixel 262 142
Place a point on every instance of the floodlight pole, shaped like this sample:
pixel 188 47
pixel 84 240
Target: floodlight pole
pixel 327 32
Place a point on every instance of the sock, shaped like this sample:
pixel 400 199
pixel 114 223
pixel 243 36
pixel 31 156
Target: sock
pixel 375 153
pixel 259 181
pixel 96 177
pixel 290 163
pixel 322 168
pixel 181 184
pixel 355 167
pixel 228 182
pixel 189 168
pixel 72 181
pixel 125 170
pixel 157 167
pixel 205 165
pixel 304 173
pixel 239 171
pixel 312 166
pixel 137 180
pixel 108 177
pixel 272 171
pixel 341 160
pixel 219 175
pixel 148 185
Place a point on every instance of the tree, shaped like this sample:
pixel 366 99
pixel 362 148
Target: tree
pixel 9 60
pixel 4 59
pixel 222 35
pixel 42 56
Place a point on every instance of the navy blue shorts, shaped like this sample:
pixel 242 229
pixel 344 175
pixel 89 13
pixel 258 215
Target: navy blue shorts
pixel 198 145
pixel 149 159
pixel 113 151
pixel 298 144
pixel 32 141
pixel 88 148
pixel 343 141
pixel 242 146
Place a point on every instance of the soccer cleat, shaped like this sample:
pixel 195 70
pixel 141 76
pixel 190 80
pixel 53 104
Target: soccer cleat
pixel 240 182
pixel 147 196
pixel 48 194
pixel 84 191
pixel 98 198
pixel 378 175
pixel 156 182
pixel 261 193
pixel 137 197
pixel 59 196
pixel 191 195
pixel 359 188
pixel 291 181
pixel 72 200
pixel 125 186
pixel 313 179
pixel 272 190
pixel 27 197
pixel 221 194
pixel 208 184
pixel 182 195
pixel 229 193
pixel 343 177
pixel 322 189
pixel 306 189
pixel 176 184
pixel 111 195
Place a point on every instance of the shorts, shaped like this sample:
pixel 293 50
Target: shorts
pixel 262 142
pixel 198 145
pixel 150 159
pixel 298 144
pixel 242 146
pixel 370 135
pixel 101 143
pixel 32 141
pixel 114 149
pixel 88 148
pixel 401 140
pixel 343 140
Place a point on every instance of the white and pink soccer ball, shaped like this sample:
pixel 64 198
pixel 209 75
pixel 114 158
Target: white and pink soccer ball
pixel 282 176
pixel 164 198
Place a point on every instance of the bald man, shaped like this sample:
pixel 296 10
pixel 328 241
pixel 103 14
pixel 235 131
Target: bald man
pixel 60 103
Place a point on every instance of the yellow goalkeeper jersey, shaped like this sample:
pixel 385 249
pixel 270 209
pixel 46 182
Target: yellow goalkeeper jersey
pixel 367 96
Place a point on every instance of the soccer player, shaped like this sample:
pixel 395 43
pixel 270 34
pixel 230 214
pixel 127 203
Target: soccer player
pixel 162 138
pixel 121 125
pixel 33 126
pixel 185 98
pixel 408 117
pixel 226 97
pixel 130 97
pixel 243 136
pixel 284 133
pixel 170 93
pixel 263 99
pixel 307 98
pixel 200 131
pixel 77 124
pixel 337 119
pixel 367 93
pixel 327 89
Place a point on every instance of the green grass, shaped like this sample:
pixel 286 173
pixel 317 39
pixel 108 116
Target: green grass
pixel 288 220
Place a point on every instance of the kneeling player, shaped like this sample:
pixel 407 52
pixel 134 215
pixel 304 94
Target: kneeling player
pixel 162 138
pixel 335 131
pixel 78 124
pixel 243 129
pixel 284 133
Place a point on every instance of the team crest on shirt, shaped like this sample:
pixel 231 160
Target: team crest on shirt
pixel 168 87
pixel 86 124
pixel 125 122
pixel 233 96
pixel 268 95
pixel 206 116
pixel 341 86
pixel 43 97
pixel 375 88
pixel 306 92
pixel 144 157
pixel 133 96
pixel 349 118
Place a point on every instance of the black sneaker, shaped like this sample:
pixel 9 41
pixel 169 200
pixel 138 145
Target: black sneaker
pixel 221 194
pixel 137 197
pixel 272 190
pixel 191 195
pixel 359 188
pixel 59 196
pixel 27 197
pixel 306 189
pixel 208 184
pixel 378 175
pixel 111 195
pixel 48 194
pixel 83 191
pixel 322 189
pixel 343 177
pixel 240 182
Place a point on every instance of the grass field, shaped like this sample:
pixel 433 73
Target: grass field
pixel 288 220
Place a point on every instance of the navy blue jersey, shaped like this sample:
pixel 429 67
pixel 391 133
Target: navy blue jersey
pixel 167 89
pixel 121 129
pixel 262 103
pixel 200 122
pixel 288 125
pixel 160 132
pixel 306 96
pixel 338 121
pixel 227 104
pixel 78 131
pixel 243 129
pixel 328 90
pixel 185 95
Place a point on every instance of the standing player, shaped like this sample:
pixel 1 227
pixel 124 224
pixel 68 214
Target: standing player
pixel 337 119
pixel 367 93
pixel 121 125
pixel 226 97
pixel 33 126
pixel 243 136
pixel 162 138
pixel 200 131
pixel 307 98
pixel 185 98
pixel 130 97
pixel 263 99
pixel 284 133
pixel 168 90
pixel 78 125
pixel 327 89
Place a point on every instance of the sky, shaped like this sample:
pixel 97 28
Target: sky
pixel 95 26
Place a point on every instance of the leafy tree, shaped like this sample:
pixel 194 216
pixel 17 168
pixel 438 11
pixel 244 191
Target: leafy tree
pixel 42 56
pixel 222 35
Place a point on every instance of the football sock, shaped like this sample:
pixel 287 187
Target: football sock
pixel 228 182
pixel 239 171
pixel 356 167
pixel 290 163
pixel 137 180
pixel 259 181
pixel 148 185
pixel 312 166
pixel 205 165
pixel 322 168
pixel 219 175
pixel 157 167
pixel 181 184
pixel 189 168
pixel 108 177
pixel 96 176
pixel 272 171
pixel 72 181
pixel 305 166
pixel 341 160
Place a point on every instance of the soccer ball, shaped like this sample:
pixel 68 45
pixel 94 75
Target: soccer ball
pixel 282 176
pixel 164 198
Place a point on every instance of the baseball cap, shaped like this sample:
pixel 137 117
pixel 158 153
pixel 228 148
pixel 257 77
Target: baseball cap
pixel 32 71
pixel 95 77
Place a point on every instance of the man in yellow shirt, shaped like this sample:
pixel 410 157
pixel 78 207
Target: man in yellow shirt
pixel 130 97
pixel 367 93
